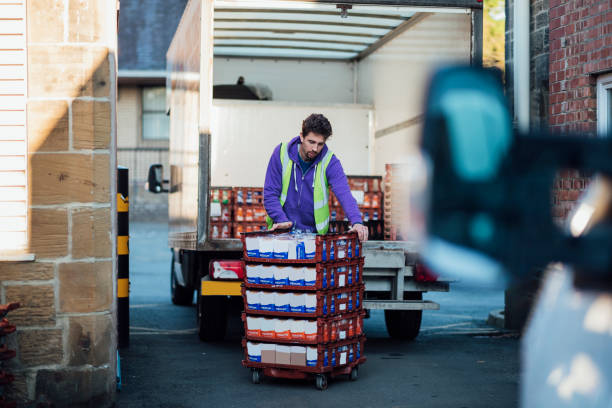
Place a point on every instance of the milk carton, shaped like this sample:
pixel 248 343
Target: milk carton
pixel 292 248
pixel 281 275
pixel 268 353
pixel 312 356
pixel 310 301
pixel 254 351
pixel 254 326
pixel 298 356
pixel 298 329
pixel 281 302
pixel 310 276
pixel 268 328
pixel 297 303
pixel 283 354
pixel 266 275
pixel 300 248
pixel 253 300
pixel 252 273
pixel 281 247
pixel 267 301
pixel 282 329
pixel 296 276
pixel 266 247
pixel 310 246
pixel 252 246
pixel 310 330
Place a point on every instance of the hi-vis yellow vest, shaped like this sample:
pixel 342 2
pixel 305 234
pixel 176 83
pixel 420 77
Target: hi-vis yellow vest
pixel 320 190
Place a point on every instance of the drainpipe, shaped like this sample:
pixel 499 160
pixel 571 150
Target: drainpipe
pixel 521 64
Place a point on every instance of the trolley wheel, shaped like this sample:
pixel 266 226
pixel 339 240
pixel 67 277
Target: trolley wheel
pixel 255 376
pixel 321 382
pixel 354 374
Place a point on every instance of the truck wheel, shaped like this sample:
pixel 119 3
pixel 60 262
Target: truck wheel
pixel 212 317
pixel 182 296
pixel 404 324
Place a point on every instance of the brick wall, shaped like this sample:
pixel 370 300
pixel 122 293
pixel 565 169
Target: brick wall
pixel 66 338
pixel 580 44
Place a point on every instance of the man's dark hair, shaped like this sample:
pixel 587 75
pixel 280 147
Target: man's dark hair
pixel 317 123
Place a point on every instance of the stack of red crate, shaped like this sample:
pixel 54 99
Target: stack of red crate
pixel 249 212
pixel 304 317
pixel 368 193
pixel 221 216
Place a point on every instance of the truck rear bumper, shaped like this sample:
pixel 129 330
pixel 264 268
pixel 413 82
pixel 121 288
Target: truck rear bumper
pixel 220 288
pixel 401 305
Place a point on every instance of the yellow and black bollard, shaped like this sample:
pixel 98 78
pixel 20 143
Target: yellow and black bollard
pixel 123 259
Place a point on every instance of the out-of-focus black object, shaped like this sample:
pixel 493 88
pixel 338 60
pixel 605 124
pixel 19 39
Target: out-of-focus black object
pixel 491 186
pixel 233 92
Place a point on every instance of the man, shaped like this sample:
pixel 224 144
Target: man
pixel 297 180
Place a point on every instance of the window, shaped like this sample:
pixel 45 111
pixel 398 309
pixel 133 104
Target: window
pixel 155 122
pixel 13 137
pixel 604 105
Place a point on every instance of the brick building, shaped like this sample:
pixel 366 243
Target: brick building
pixel 570 91
pixel 57 198
pixel 571 77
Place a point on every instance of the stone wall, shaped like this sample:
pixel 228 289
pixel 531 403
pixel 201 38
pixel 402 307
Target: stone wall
pixel 66 338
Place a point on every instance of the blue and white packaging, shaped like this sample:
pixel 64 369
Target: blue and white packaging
pixel 300 248
pixel 342 306
pixel 253 300
pixel 267 301
pixel 254 351
pixel 310 301
pixel 252 246
pixel 310 246
pixel 311 356
pixel 296 276
pixel 310 276
pixel 281 302
pixel 266 274
pixel 252 273
pixel 281 275
pixel 266 247
pixel 281 247
pixel 341 246
pixel 292 249
pixel 297 303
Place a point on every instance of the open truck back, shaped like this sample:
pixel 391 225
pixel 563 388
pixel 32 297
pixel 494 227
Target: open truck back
pixel 364 65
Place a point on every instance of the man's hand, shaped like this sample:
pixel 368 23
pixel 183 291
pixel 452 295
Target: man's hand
pixel 282 225
pixel 362 231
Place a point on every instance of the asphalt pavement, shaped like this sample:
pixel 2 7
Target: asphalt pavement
pixel 456 361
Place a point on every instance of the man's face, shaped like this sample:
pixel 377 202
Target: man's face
pixel 311 146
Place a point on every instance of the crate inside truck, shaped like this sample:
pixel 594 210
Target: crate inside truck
pixel 241 78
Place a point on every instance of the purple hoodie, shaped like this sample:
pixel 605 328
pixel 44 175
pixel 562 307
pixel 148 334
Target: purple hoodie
pixel 299 206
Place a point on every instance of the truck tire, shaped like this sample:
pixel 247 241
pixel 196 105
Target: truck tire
pixel 212 317
pixel 182 296
pixel 404 324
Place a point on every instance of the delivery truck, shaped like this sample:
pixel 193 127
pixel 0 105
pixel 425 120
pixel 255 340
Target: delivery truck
pixel 241 77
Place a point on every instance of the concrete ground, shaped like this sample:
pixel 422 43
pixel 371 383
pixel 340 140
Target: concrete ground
pixel 457 360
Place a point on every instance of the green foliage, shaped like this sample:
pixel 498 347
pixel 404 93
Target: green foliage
pixel 493 35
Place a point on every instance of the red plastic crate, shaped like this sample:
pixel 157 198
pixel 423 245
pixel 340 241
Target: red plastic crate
pixel 329 275
pixel 328 248
pixel 329 329
pixel 329 303
pixel 339 353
